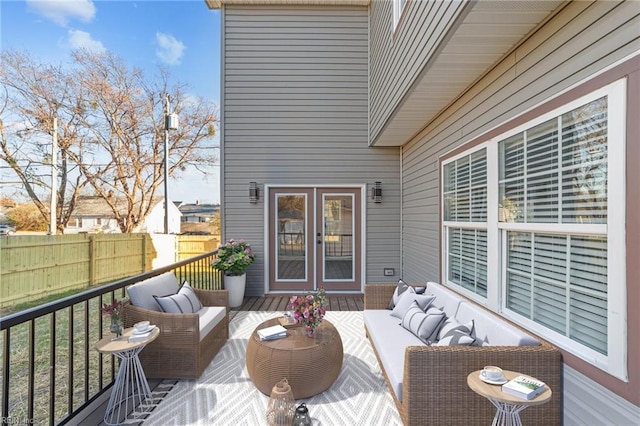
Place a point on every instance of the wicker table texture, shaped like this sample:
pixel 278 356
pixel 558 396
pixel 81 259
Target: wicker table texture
pixel 310 365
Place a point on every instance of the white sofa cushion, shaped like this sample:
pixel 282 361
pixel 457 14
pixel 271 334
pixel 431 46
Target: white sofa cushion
pixel 491 330
pixel 210 316
pixel 446 300
pixel 141 294
pixel 389 340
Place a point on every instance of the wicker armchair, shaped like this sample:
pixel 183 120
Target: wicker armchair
pixel 434 388
pixel 179 352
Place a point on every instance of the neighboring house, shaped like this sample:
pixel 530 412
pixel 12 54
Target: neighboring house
pixel 198 213
pixel 505 135
pixel 93 214
pixel 199 218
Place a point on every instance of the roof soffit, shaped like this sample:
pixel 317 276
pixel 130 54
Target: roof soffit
pixel 217 4
pixel 485 35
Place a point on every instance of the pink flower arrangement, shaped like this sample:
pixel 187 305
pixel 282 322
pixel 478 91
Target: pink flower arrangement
pixel 309 309
pixel 114 310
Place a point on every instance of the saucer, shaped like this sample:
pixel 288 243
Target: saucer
pixel 148 329
pixel 494 382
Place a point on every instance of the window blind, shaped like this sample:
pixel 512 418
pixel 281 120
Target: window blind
pixel 559 281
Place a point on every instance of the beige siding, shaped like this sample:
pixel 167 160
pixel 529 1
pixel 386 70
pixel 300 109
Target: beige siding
pixel 295 112
pixel 398 55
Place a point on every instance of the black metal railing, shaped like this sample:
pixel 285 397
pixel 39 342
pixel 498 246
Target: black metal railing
pixel 50 371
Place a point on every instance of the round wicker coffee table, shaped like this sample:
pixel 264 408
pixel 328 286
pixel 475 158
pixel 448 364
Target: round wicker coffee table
pixel 310 365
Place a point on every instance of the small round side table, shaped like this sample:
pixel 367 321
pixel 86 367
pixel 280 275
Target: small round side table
pixel 508 406
pixel 131 383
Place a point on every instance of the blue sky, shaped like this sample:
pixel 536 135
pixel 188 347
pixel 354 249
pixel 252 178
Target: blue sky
pixel 183 36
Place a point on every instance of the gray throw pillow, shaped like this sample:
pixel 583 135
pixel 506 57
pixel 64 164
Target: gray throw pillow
pixel 401 288
pixel 456 338
pixel 184 302
pixel 405 303
pixel 451 325
pixel 453 333
pixel 423 324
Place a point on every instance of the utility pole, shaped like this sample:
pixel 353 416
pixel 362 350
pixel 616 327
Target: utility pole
pixel 53 227
pixel 170 123
pixel 166 165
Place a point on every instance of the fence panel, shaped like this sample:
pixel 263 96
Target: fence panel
pixel 194 245
pixel 35 266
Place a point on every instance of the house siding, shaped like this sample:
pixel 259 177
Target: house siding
pixel 399 55
pixel 581 40
pixel 295 98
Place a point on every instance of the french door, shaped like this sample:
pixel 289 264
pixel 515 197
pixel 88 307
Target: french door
pixel 314 239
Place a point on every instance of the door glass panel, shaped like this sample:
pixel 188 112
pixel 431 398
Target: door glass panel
pixel 338 237
pixel 291 253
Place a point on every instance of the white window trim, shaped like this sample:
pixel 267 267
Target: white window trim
pixel 615 363
pixel 398 7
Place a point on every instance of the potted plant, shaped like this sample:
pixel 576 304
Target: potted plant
pixel 233 258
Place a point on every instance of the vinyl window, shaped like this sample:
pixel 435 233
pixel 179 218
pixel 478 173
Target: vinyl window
pixel 548 198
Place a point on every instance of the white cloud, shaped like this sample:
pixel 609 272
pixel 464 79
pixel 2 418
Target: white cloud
pixel 82 40
pixel 170 49
pixel 61 11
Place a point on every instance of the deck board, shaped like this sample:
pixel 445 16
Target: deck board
pixel 346 302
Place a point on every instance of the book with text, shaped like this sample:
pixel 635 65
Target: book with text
pixel 524 387
pixel 273 332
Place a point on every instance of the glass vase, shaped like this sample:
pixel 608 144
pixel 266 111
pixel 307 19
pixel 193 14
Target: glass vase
pixel 311 330
pixel 116 326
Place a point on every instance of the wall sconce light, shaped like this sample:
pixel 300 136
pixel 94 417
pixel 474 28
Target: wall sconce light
pixel 254 192
pixel 376 192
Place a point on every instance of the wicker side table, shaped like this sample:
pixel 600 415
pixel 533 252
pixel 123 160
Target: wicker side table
pixel 310 365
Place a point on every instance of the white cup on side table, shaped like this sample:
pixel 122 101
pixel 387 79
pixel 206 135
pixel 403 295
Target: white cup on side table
pixel 492 373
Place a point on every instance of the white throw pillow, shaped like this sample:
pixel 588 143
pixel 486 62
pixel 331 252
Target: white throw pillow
pixel 405 301
pixel 399 290
pixel 451 325
pixel 423 324
pixel 453 333
pixel 184 302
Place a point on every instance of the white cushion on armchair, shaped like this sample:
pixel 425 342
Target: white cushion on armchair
pixel 141 294
pixel 210 316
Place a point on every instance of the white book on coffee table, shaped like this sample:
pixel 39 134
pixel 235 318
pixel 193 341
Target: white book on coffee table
pixel 273 332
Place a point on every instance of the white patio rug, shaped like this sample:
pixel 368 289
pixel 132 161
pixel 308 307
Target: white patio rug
pixel 224 394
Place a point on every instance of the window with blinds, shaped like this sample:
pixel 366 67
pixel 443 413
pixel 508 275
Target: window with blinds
pixel 465 205
pixel 546 201
pixel 556 172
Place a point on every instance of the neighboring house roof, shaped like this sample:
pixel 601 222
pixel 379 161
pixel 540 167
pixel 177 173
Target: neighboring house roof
pixel 95 206
pixel 199 209
pixel 217 4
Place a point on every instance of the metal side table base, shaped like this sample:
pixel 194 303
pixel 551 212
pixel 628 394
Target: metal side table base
pixel 130 390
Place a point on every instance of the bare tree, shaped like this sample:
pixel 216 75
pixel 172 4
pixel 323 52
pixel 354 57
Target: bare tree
pixel 112 121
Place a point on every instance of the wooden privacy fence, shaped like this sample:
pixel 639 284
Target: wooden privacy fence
pixel 36 266
pixel 193 245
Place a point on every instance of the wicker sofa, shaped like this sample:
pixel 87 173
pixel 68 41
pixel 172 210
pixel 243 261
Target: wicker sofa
pixel 188 341
pixel 430 384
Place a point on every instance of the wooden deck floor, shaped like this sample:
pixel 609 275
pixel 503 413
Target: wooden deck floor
pixel 347 302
